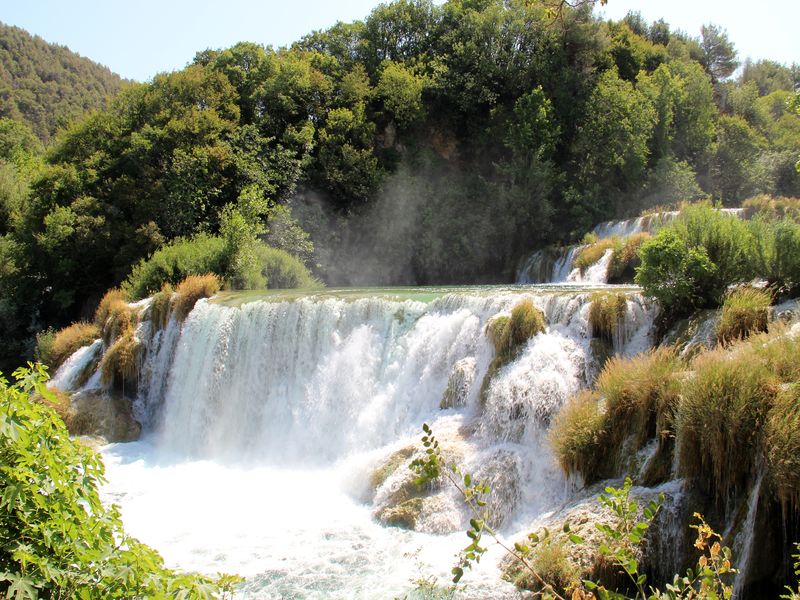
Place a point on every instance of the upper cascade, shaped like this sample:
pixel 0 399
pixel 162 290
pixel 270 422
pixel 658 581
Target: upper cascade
pixel 557 265
pixel 316 378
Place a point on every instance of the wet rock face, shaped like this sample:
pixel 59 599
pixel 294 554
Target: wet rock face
pixel 107 416
pixel 400 502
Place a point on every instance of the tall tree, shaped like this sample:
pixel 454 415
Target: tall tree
pixel 719 54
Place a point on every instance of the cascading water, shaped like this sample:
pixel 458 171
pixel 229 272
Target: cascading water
pixel 557 266
pixel 265 424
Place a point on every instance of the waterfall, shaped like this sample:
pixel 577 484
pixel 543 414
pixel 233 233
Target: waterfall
pixel 77 368
pixel 744 540
pixel 279 413
pixel 628 227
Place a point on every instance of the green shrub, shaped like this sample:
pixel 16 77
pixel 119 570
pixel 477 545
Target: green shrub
pixel 719 421
pixel 67 544
pixel 173 263
pixel 692 261
pixel 776 252
pixel 626 259
pixel 44 346
pixel 607 315
pixel 66 341
pixel 281 270
pixel 594 252
pixel 578 433
pixel 190 290
pixel 745 311
pixel 675 274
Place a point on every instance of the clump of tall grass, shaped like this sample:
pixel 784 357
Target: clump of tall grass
pixel 159 309
pixel 744 311
pixel 551 561
pixel 509 333
pixel 65 342
pixel 633 400
pixel 641 396
pixel 578 433
pixel 108 304
pixel 626 257
pixel 594 252
pixel 190 290
pixel 720 418
pixel 114 315
pixel 773 207
pixel 121 360
pixel 607 314
pixel 782 445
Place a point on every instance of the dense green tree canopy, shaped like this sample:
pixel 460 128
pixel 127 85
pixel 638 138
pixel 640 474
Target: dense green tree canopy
pixel 427 144
pixel 46 85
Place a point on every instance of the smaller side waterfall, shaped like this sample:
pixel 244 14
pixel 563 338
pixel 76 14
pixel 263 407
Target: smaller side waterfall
pixel 77 368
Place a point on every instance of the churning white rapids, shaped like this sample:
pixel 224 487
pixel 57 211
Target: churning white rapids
pixel 265 419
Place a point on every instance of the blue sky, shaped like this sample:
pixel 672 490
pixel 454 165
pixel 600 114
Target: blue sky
pixel 139 39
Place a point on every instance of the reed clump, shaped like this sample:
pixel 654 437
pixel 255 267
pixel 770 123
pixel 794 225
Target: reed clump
pixel 509 333
pixel 720 419
pixel 745 311
pixel 551 561
pixel 121 360
pixel 607 315
pixel 626 258
pixel 192 289
pixel 642 395
pixel 159 309
pixel 114 315
pixel 782 445
pixel 594 252
pixel 66 341
pixel 578 433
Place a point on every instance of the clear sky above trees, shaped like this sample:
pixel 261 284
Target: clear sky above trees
pixel 139 39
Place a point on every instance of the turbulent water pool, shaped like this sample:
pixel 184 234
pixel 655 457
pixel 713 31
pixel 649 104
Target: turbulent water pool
pixel 267 416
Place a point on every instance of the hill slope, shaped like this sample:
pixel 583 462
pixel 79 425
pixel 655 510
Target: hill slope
pixel 47 85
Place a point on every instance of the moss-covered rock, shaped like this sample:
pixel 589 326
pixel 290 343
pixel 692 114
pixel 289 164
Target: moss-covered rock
pixel 107 416
pixel 459 384
pixel 403 515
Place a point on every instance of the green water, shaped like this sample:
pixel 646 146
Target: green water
pixel 399 294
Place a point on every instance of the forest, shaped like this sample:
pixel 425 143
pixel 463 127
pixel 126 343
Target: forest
pixel 425 144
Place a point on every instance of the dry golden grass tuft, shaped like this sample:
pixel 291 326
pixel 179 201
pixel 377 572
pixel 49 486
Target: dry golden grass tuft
pixel 190 290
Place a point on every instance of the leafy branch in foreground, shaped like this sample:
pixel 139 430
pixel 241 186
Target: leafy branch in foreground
pixel 57 538
pixel 620 541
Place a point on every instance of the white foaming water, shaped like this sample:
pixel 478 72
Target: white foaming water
pixel 264 425
pixel 68 376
